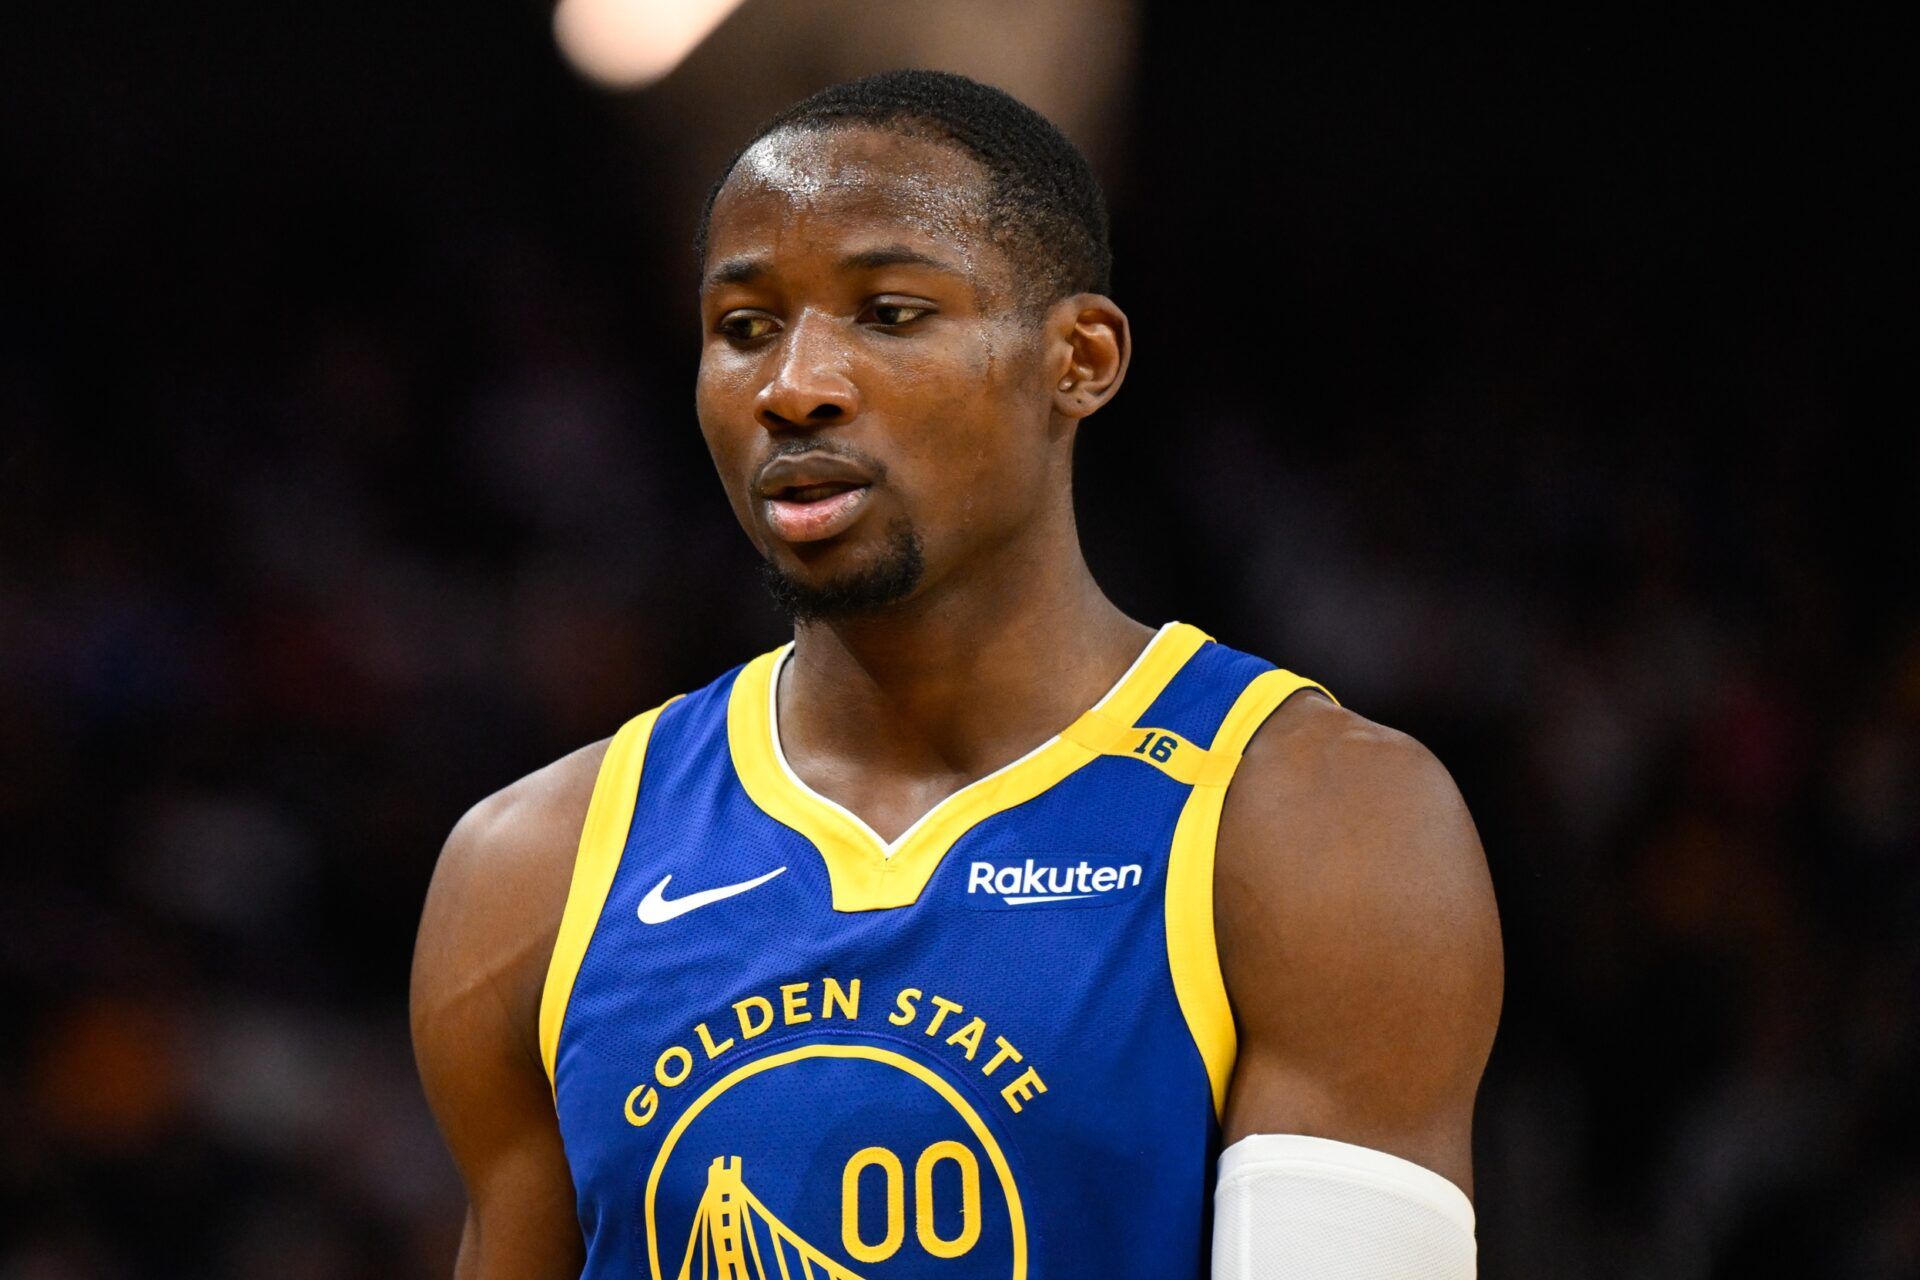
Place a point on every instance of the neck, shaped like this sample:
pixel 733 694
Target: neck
pixel 960 680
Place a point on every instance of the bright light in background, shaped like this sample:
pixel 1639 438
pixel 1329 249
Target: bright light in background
pixel 628 43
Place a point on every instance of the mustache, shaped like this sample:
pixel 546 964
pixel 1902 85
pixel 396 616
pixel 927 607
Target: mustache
pixel 821 447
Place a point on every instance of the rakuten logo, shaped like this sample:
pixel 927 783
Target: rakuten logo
pixel 1032 881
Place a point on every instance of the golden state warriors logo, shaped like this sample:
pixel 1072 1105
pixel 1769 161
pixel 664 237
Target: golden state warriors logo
pixel 838 1161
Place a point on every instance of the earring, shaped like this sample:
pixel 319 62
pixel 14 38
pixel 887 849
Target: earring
pixel 1066 384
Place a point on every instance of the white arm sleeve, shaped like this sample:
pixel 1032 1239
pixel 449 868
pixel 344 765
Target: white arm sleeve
pixel 1290 1207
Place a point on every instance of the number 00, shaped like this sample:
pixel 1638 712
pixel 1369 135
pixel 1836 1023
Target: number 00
pixel 893 1175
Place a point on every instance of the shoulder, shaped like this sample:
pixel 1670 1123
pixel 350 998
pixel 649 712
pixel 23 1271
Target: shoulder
pixel 499 889
pixel 1316 767
pixel 517 825
pixel 1330 807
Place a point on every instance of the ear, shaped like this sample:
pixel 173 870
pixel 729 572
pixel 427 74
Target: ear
pixel 1091 345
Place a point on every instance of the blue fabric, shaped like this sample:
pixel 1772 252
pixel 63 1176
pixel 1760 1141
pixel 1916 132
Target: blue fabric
pixel 1111 1164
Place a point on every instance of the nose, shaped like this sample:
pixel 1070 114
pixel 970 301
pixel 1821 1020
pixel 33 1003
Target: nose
pixel 810 387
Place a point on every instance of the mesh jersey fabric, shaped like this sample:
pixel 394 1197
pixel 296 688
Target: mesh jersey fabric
pixel 993 1078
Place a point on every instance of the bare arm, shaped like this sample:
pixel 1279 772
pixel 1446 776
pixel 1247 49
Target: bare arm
pixel 486 935
pixel 1359 941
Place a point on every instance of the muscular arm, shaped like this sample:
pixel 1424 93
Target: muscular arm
pixel 1359 941
pixel 486 935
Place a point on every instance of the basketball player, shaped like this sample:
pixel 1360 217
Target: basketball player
pixel 981 931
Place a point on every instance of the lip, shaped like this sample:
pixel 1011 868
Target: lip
pixel 796 470
pixel 812 517
pixel 817 520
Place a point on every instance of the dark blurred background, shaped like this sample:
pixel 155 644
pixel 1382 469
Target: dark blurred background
pixel 1514 380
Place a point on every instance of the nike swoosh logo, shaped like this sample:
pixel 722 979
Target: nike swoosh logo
pixel 656 909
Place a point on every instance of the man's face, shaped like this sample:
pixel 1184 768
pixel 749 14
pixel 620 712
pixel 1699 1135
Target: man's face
pixel 874 395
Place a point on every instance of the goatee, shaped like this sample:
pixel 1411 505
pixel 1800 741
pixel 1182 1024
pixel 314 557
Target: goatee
pixel 889 578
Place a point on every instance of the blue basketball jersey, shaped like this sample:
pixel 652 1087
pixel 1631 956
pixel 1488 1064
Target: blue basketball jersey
pixel 995 1047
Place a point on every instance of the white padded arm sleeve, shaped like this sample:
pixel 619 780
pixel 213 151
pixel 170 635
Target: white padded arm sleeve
pixel 1290 1207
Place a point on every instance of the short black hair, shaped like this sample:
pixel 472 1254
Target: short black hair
pixel 1044 206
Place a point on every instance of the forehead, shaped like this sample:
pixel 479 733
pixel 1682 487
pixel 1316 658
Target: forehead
pixel 795 191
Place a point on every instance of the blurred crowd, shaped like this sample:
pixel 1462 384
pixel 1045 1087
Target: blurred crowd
pixel 347 477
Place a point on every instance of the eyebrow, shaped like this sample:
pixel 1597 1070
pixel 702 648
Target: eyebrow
pixel 747 270
pixel 737 271
pixel 896 255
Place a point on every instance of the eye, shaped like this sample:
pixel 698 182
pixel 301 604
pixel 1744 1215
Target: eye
pixel 746 326
pixel 892 315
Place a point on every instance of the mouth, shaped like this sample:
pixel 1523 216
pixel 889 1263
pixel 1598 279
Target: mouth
pixel 812 512
pixel 813 496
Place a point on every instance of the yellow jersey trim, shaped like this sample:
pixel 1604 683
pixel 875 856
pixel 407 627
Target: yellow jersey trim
pixel 1164 749
pixel 603 837
pixel 1192 952
pixel 868 874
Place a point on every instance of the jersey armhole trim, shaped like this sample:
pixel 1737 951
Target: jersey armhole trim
pixel 603 838
pixel 1193 955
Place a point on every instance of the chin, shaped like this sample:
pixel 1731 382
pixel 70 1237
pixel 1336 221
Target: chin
pixel 830 588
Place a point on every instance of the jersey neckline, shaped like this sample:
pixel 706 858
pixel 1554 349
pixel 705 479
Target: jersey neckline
pixel 871 874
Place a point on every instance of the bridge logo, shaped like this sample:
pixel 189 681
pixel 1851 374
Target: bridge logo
pixel 727 1231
